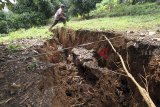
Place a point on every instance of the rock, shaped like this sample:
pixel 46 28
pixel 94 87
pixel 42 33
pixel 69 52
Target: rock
pixel 142 34
pixel 152 33
pixel 136 45
pixel 60 48
pixel 35 51
pixel 141 38
pixel 156 39
pixel 14 85
pixel 70 58
pixel 14 88
pixel 83 53
pixel 130 31
pixel 130 43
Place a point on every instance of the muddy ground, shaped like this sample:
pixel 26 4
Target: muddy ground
pixel 49 74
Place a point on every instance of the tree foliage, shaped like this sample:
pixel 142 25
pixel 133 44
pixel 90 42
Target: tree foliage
pixel 82 7
pixel 6 2
pixel 43 6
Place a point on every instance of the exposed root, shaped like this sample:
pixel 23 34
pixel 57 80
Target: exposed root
pixel 142 91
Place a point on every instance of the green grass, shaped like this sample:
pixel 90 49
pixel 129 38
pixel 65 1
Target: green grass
pixel 35 32
pixel 13 48
pixel 115 23
pixel 118 23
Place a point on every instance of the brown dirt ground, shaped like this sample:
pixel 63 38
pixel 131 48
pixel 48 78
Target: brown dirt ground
pixel 30 78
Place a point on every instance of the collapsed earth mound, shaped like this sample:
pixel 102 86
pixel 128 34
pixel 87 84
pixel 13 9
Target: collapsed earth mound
pixel 78 68
pixel 87 78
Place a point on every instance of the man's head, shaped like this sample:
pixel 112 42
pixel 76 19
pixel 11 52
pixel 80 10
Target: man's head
pixel 62 6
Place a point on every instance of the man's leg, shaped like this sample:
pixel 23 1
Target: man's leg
pixel 55 22
pixel 64 22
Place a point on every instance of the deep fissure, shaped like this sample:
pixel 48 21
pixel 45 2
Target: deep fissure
pixel 86 83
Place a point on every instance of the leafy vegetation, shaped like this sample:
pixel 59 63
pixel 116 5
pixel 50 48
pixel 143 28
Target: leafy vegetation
pixel 31 13
pixel 26 14
pixel 3 26
pixel 82 7
pixel 44 7
pixel 13 22
pixel 32 65
pixel 35 32
pixel 103 10
pixel 116 23
pixel 13 48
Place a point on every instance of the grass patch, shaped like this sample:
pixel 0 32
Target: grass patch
pixel 35 32
pixel 13 48
pixel 109 23
pixel 117 23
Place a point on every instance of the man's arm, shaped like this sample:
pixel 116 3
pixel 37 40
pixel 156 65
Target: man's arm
pixel 61 14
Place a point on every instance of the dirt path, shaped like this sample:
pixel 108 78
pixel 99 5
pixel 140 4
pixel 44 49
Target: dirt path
pixel 21 76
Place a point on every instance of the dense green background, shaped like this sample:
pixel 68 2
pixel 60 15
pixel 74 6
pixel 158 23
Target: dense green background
pixel 29 13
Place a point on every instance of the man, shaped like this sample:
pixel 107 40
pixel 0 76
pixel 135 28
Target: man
pixel 59 17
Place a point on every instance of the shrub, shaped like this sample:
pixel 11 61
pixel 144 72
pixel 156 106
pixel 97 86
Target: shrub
pixel 26 14
pixel 3 27
pixel 13 48
pixel 25 20
pixel 28 19
pixel 2 16
pixel 124 9
pixel 139 9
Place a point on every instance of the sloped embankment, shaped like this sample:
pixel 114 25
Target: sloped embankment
pixel 84 78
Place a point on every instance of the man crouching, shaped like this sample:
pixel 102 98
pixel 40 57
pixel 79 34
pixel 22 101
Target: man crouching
pixel 59 17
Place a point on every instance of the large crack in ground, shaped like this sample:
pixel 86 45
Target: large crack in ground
pixel 87 79
pixel 79 76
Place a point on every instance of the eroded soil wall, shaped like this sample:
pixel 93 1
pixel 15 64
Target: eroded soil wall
pixel 84 78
